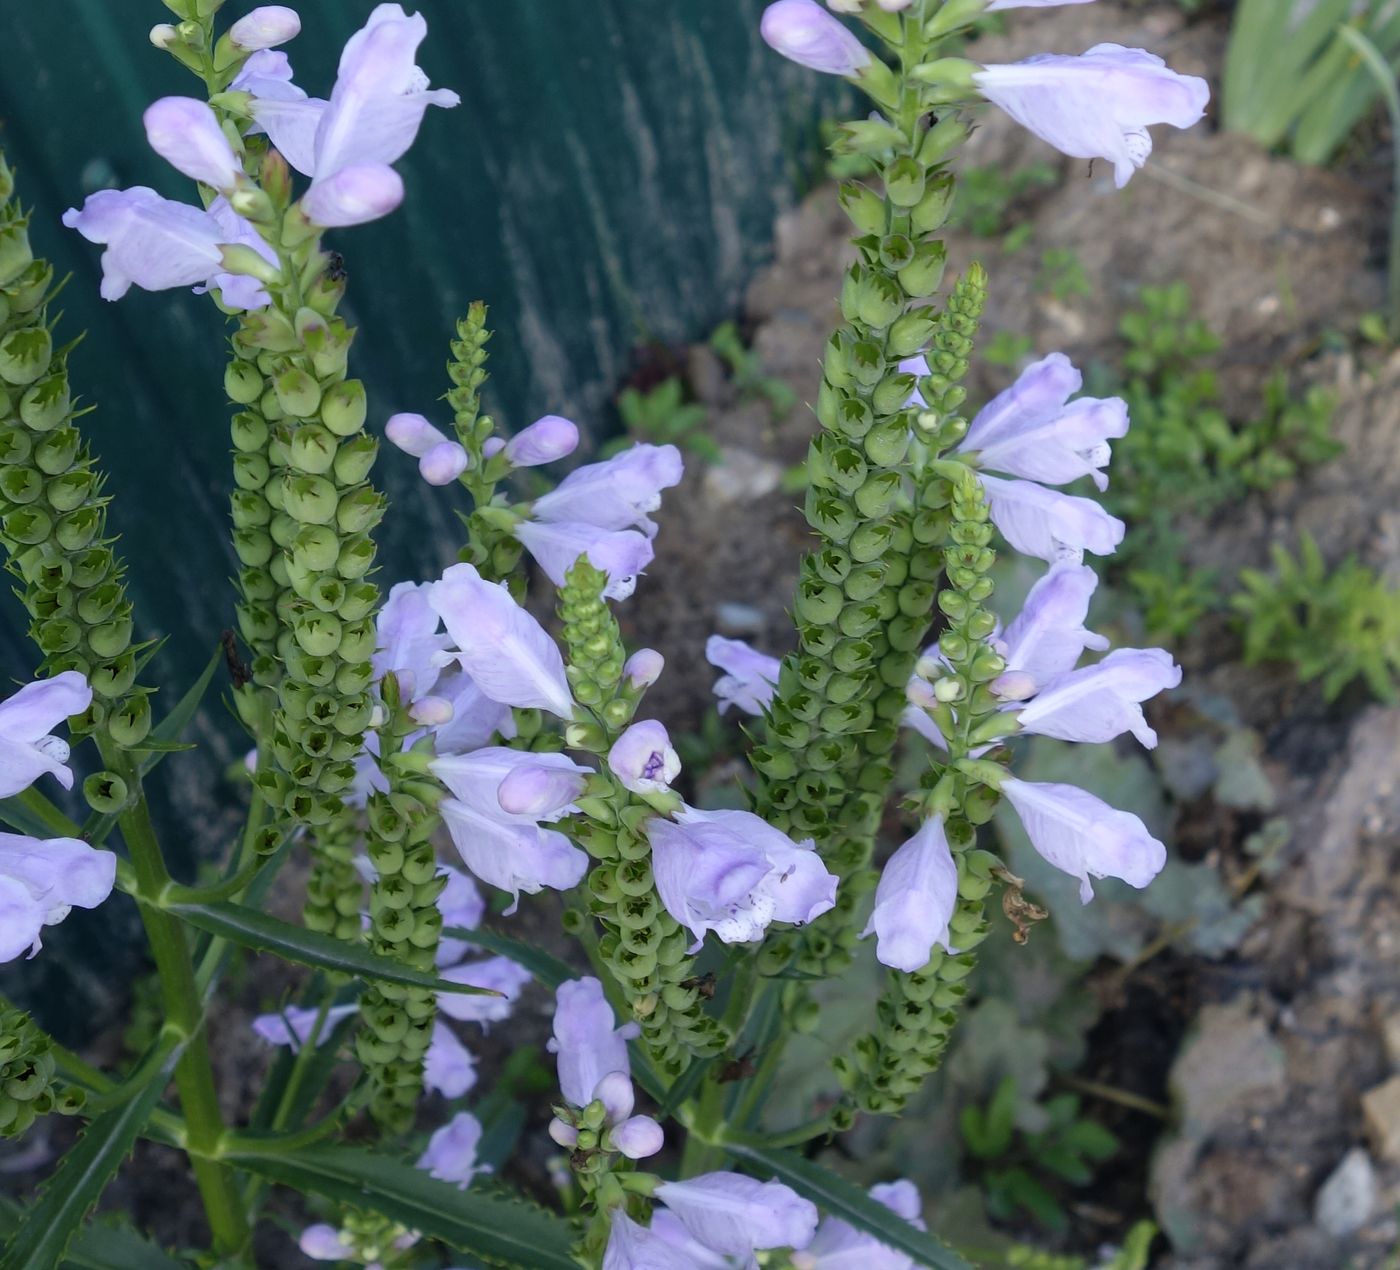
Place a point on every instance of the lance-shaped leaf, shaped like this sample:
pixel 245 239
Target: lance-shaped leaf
pixel 251 929
pixel 501 1232
pixel 107 1245
pixel 50 1224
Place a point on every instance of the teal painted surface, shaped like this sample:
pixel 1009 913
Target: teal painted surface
pixel 610 178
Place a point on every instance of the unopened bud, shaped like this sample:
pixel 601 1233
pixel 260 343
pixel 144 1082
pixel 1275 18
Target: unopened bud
pixel 544 441
pixel 644 668
pixel 614 1091
pixel 413 434
pixel 443 464
pixel 564 1134
pixel 431 712
pixel 948 690
pixel 265 27
pixel 638 1137
pixel 163 35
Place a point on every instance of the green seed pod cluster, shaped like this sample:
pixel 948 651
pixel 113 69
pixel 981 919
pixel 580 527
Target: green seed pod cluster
pixel 865 595
pixel 917 1012
pixel 405 922
pixel 335 891
pixel 914 566
pixel 27 1068
pixel 489 545
pixel 53 514
pixel 641 943
pixel 304 513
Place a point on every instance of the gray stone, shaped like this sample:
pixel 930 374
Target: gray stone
pixel 1348 1198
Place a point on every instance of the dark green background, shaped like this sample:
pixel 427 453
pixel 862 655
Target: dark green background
pixel 609 179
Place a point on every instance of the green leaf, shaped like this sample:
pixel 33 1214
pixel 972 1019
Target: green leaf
pixel 166 735
pixel 108 1246
pixel 839 1198
pixel 84 1171
pixel 251 929
pixel 549 970
pixel 31 813
pixel 499 1231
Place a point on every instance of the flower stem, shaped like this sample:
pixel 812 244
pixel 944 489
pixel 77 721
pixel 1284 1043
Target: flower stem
pixel 194 1075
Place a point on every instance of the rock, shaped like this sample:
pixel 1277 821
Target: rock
pixel 1230 1058
pixel 1347 1199
pixel 1390 1035
pixel 738 620
pixel 1381 1107
pixel 740 477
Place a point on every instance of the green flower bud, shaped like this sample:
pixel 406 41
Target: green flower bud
pixel 904 181
pixel 360 510
pixel 923 276
pixel 25 354
pixel 312 450
pixel 298 393
pixel 105 792
pixel 865 207
pixel 131 723
pixel 243 382
pixel 311 499
pixel 46 404
pixel 355 458
pixel 344 407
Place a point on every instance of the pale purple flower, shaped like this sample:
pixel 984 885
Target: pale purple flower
pixel 27 750
pixel 462 906
pixel 41 881
pixel 503 648
pixel 444 463
pixel 347 143
pixel 1049 525
pixel 292 1025
pixel 915 899
pixel 545 441
pixel 737 1215
pixel 448 1067
pixel 805 33
pixel 265 27
pixel 475 717
pixel 513 857
pixel 666 1245
pixel 451 1153
pixel 643 668
pixel 749 676
pixel 238 290
pixel 267 75
pixel 543 785
pixel 325 1243
pixel 1083 836
pixel 1098 105
pixel 1048 636
pixel 1102 701
pixel 185 133
pixel 556 547
pixel 413 434
pixel 409 639
pixel 1033 430
pixel 637 1137
pixel 353 195
pixel 500 974
pixel 150 241
pixel 643 760
pixel 840 1246
pixel 617 493
pixel 733 873
pixel 587 1041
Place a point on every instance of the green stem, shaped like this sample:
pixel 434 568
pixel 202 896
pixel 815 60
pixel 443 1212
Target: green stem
pixel 194 1074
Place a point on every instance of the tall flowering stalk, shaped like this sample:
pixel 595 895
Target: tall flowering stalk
pixel 447 710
